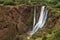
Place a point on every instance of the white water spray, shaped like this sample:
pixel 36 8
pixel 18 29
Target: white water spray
pixel 41 21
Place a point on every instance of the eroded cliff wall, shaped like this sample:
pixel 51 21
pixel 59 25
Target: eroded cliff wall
pixel 18 19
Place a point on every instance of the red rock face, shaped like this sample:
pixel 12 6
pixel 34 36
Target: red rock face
pixel 12 21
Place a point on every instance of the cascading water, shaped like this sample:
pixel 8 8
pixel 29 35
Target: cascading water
pixel 34 20
pixel 41 21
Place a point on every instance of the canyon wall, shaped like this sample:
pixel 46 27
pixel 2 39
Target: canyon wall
pixel 19 19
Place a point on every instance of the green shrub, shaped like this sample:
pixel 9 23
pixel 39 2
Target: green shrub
pixel 9 3
pixel 44 37
pixel 1 2
pixel 58 5
pixel 57 35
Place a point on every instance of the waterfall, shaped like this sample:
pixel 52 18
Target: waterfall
pixel 34 19
pixel 41 21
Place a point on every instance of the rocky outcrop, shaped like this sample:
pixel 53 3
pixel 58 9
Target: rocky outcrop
pixel 12 19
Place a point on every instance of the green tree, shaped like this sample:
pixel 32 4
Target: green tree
pixel 1 1
pixel 57 35
pixel 44 37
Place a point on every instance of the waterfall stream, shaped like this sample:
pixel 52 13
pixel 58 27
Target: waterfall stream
pixel 41 21
pixel 34 19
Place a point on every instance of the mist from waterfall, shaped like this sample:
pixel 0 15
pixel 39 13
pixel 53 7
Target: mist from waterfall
pixel 41 21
